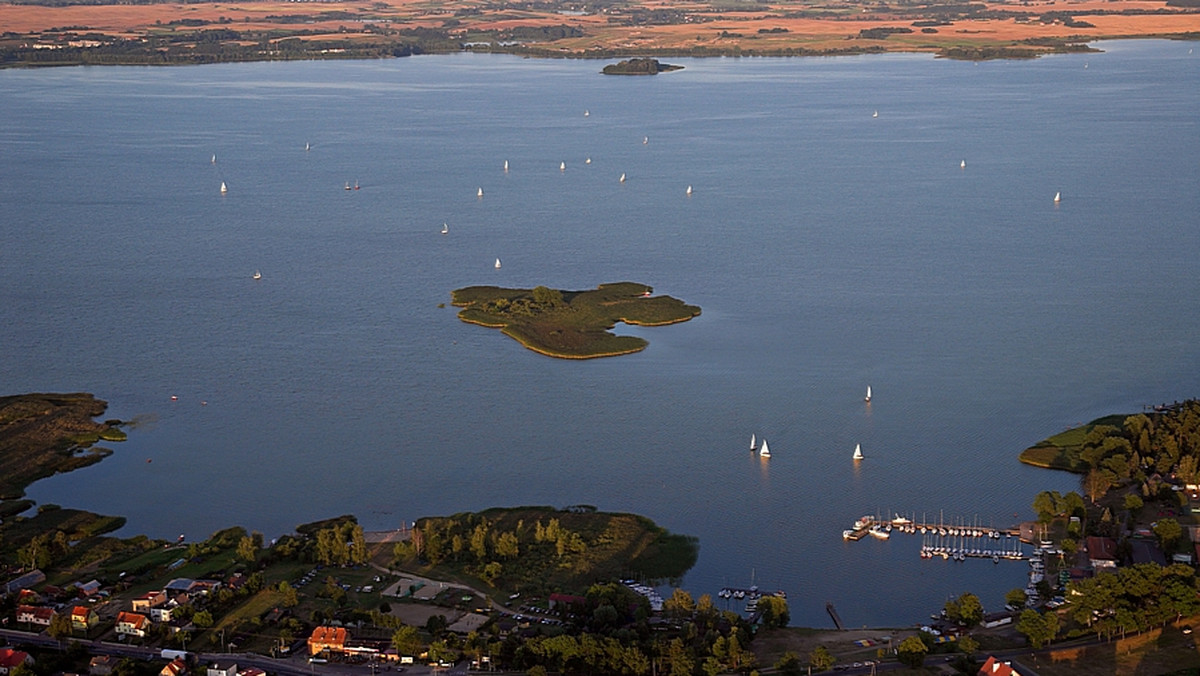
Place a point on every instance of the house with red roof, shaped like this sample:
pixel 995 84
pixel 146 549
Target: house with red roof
pixel 11 658
pixel 176 667
pixel 38 616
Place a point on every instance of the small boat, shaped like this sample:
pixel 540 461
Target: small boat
pixel 1057 197
pixel 588 161
pixel 497 263
pixel 868 397
pixel 764 452
pixel 962 165
pixel 562 166
pixel 753 444
pixel 445 228
pixel 622 179
pixel 586 113
pixel 479 193
pixel 224 188
pixel 506 165
pixel 689 190
pixel 256 275
pixel 877 531
pixel 858 452
pixel 356 185
pixel 875 114
pixel 348 185
pixel 645 140
pixel 214 159
pixel 307 147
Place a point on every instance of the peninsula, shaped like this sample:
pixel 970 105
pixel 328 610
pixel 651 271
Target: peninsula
pixel 571 324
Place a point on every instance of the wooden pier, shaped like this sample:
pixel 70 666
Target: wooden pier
pixel 837 621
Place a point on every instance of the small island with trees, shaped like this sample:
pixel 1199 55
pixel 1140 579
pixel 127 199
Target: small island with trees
pixel 639 67
pixel 571 324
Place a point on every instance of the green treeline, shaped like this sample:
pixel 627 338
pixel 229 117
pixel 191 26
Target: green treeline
pixel 542 550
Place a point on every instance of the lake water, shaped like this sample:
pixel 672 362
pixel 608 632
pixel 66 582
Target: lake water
pixel 830 250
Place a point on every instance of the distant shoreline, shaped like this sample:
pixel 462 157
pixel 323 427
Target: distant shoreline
pixel 271 30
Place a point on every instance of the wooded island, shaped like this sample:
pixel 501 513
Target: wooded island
pixel 571 324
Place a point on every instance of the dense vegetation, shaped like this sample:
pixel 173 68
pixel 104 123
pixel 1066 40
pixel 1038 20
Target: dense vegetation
pixel 571 324
pixel 539 550
pixel 639 67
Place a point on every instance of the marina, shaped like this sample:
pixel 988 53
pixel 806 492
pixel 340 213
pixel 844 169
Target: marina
pixel 958 541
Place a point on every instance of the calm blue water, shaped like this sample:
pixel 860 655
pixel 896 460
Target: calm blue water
pixel 829 250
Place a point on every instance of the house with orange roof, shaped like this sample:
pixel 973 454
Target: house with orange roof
pixel 132 624
pixel 151 599
pixel 84 618
pixel 176 667
pixel 331 639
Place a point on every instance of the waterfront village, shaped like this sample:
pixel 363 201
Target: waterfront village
pixel 547 590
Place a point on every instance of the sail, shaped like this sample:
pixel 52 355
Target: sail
pixel 497 263
pixel 858 452
pixel 868 397
pixel 753 445
pixel 764 451
pixel 224 188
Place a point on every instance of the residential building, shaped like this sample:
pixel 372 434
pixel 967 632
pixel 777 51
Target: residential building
pixel 83 618
pixel 132 624
pixel 102 665
pixel 11 658
pixel 176 667
pixel 1102 552
pixel 332 639
pixel 160 615
pixel 151 599
pixel 38 616
pixel 995 667
pixel 222 669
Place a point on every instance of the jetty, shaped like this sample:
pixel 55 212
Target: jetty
pixel 837 621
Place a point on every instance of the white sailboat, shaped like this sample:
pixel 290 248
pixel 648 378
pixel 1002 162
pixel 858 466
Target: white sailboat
pixel 858 452
pixel 479 193
pixel 505 165
pixel 1057 197
pixel 868 397
pixel 875 114
pixel 753 443
pixel 497 263
pixel 645 140
pixel 586 113
pixel 307 147
pixel 214 159
pixel 962 165
pixel 764 452
pixel 224 188
pixel 256 275
pixel 562 166
pixel 588 161
pixel 445 228
pixel 689 190
pixel 622 179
